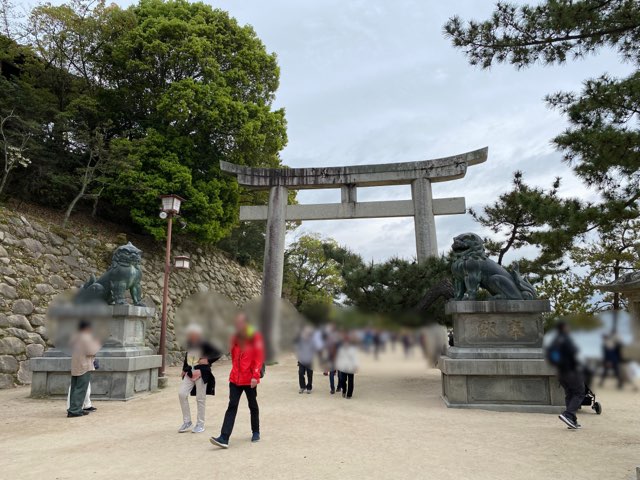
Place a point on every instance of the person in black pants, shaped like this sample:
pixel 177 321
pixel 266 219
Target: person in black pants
pixel 348 384
pixel 247 367
pixel 563 354
pixel 235 392
pixel 611 352
pixel 305 353
pixel 302 372
pixel 347 366
pixel 341 381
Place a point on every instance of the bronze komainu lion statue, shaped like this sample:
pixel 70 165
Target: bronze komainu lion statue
pixel 123 275
pixel 472 269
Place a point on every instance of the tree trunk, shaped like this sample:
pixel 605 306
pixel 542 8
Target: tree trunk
pixel 72 205
pixel 3 182
pixel 96 199
pixel 94 210
pixel 616 300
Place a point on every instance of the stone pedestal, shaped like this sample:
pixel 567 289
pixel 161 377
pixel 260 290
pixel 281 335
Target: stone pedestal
pixel 498 361
pixel 127 368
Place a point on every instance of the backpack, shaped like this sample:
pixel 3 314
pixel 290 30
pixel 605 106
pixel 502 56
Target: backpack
pixel 554 355
pixel 557 354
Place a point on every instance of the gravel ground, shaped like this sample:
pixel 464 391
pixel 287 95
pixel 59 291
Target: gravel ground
pixel 396 426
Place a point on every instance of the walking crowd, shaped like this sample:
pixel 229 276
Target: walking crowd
pixel 335 353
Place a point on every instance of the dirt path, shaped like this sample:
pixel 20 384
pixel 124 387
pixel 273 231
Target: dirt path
pixel 396 427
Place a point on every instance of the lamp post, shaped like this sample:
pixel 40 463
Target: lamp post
pixel 170 208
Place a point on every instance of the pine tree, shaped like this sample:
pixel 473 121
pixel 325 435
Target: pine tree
pixel 528 215
pixel 602 142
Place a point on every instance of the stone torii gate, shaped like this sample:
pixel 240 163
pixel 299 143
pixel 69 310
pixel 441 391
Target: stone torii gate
pixel 422 207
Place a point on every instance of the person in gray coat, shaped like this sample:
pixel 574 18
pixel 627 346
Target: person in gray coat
pixel 305 353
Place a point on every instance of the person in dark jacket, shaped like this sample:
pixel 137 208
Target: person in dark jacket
pixel 611 357
pixel 563 354
pixel 247 361
pixel 197 378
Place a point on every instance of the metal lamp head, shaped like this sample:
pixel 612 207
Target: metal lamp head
pixel 171 203
pixel 182 262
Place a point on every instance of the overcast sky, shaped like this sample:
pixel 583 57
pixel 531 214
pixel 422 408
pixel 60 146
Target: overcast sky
pixel 375 81
pixel 369 81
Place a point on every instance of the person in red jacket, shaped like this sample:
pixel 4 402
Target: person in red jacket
pixel 247 357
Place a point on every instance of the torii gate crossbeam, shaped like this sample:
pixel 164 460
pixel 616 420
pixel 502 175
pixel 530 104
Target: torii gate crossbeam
pixel 422 207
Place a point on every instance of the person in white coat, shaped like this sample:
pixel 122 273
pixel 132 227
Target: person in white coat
pixel 347 365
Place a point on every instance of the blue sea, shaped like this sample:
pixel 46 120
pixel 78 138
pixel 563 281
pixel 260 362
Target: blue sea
pixel 590 342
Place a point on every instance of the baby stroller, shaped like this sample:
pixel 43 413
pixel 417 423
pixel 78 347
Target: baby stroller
pixel 590 397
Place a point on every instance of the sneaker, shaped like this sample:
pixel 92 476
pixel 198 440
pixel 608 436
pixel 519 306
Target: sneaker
pixel 302 390
pixel 220 441
pixel 185 427
pixel 333 392
pixel 344 394
pixel 255 437
pixel 309 391
pixel 199 428
pixel 90 409
pixel 74 415
pixel 569 422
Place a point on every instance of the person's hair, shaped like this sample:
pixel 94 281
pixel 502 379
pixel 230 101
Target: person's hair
pixel 194 328
pixel 561 326
pixel 84 325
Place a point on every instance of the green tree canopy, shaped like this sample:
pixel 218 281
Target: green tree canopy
pixel 169 87
pixel 320 273
pixel 395 289
pixel 312 278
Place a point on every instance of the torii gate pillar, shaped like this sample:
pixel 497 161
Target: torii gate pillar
pixel 273 269
pixel 424 219
pixel 422 207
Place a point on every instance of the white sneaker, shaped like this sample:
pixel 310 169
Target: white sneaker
pixel 199 428
pixel 302 390
pixel 186 426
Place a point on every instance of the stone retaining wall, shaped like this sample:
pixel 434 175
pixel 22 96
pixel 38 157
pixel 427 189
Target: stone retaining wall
pixel 39 260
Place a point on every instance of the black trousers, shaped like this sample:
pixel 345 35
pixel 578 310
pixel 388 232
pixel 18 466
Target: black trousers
pixel 302 370
pixel 341 380
pixel 348 383
pixel 235 392
pixel 332 385
pixel 573 384
pixel 615 366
